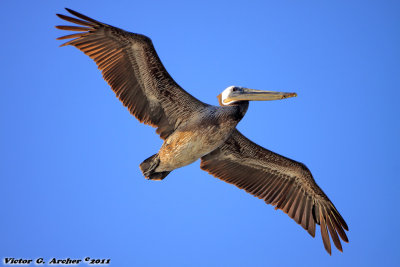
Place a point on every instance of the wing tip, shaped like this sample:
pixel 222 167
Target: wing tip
pixel 81 16
pixel 70 11
pixel 64 44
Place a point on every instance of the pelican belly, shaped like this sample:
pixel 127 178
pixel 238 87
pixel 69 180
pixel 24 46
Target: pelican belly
pixel 187 145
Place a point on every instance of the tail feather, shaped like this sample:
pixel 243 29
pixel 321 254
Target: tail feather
pixel 148 168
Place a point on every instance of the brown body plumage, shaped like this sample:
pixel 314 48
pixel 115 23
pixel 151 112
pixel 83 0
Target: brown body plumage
pixel 192 129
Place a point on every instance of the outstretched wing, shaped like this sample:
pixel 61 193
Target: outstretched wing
pixel 279 181
pixel 130 65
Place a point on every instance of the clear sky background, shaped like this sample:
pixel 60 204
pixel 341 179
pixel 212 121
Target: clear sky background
pixel 69 176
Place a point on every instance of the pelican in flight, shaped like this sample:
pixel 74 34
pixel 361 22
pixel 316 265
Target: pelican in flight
pixel 194 130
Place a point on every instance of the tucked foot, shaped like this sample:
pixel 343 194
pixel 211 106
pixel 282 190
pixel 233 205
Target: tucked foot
pixel 157 176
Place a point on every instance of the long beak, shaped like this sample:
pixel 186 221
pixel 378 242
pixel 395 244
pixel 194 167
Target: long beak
pixel 257 95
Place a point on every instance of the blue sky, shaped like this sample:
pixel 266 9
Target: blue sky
pixel 71 185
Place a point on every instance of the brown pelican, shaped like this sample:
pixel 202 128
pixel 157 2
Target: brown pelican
pixel 194 130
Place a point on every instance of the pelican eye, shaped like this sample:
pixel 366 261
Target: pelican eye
pixel 235 89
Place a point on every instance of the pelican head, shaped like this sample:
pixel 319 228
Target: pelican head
pixel 234 94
